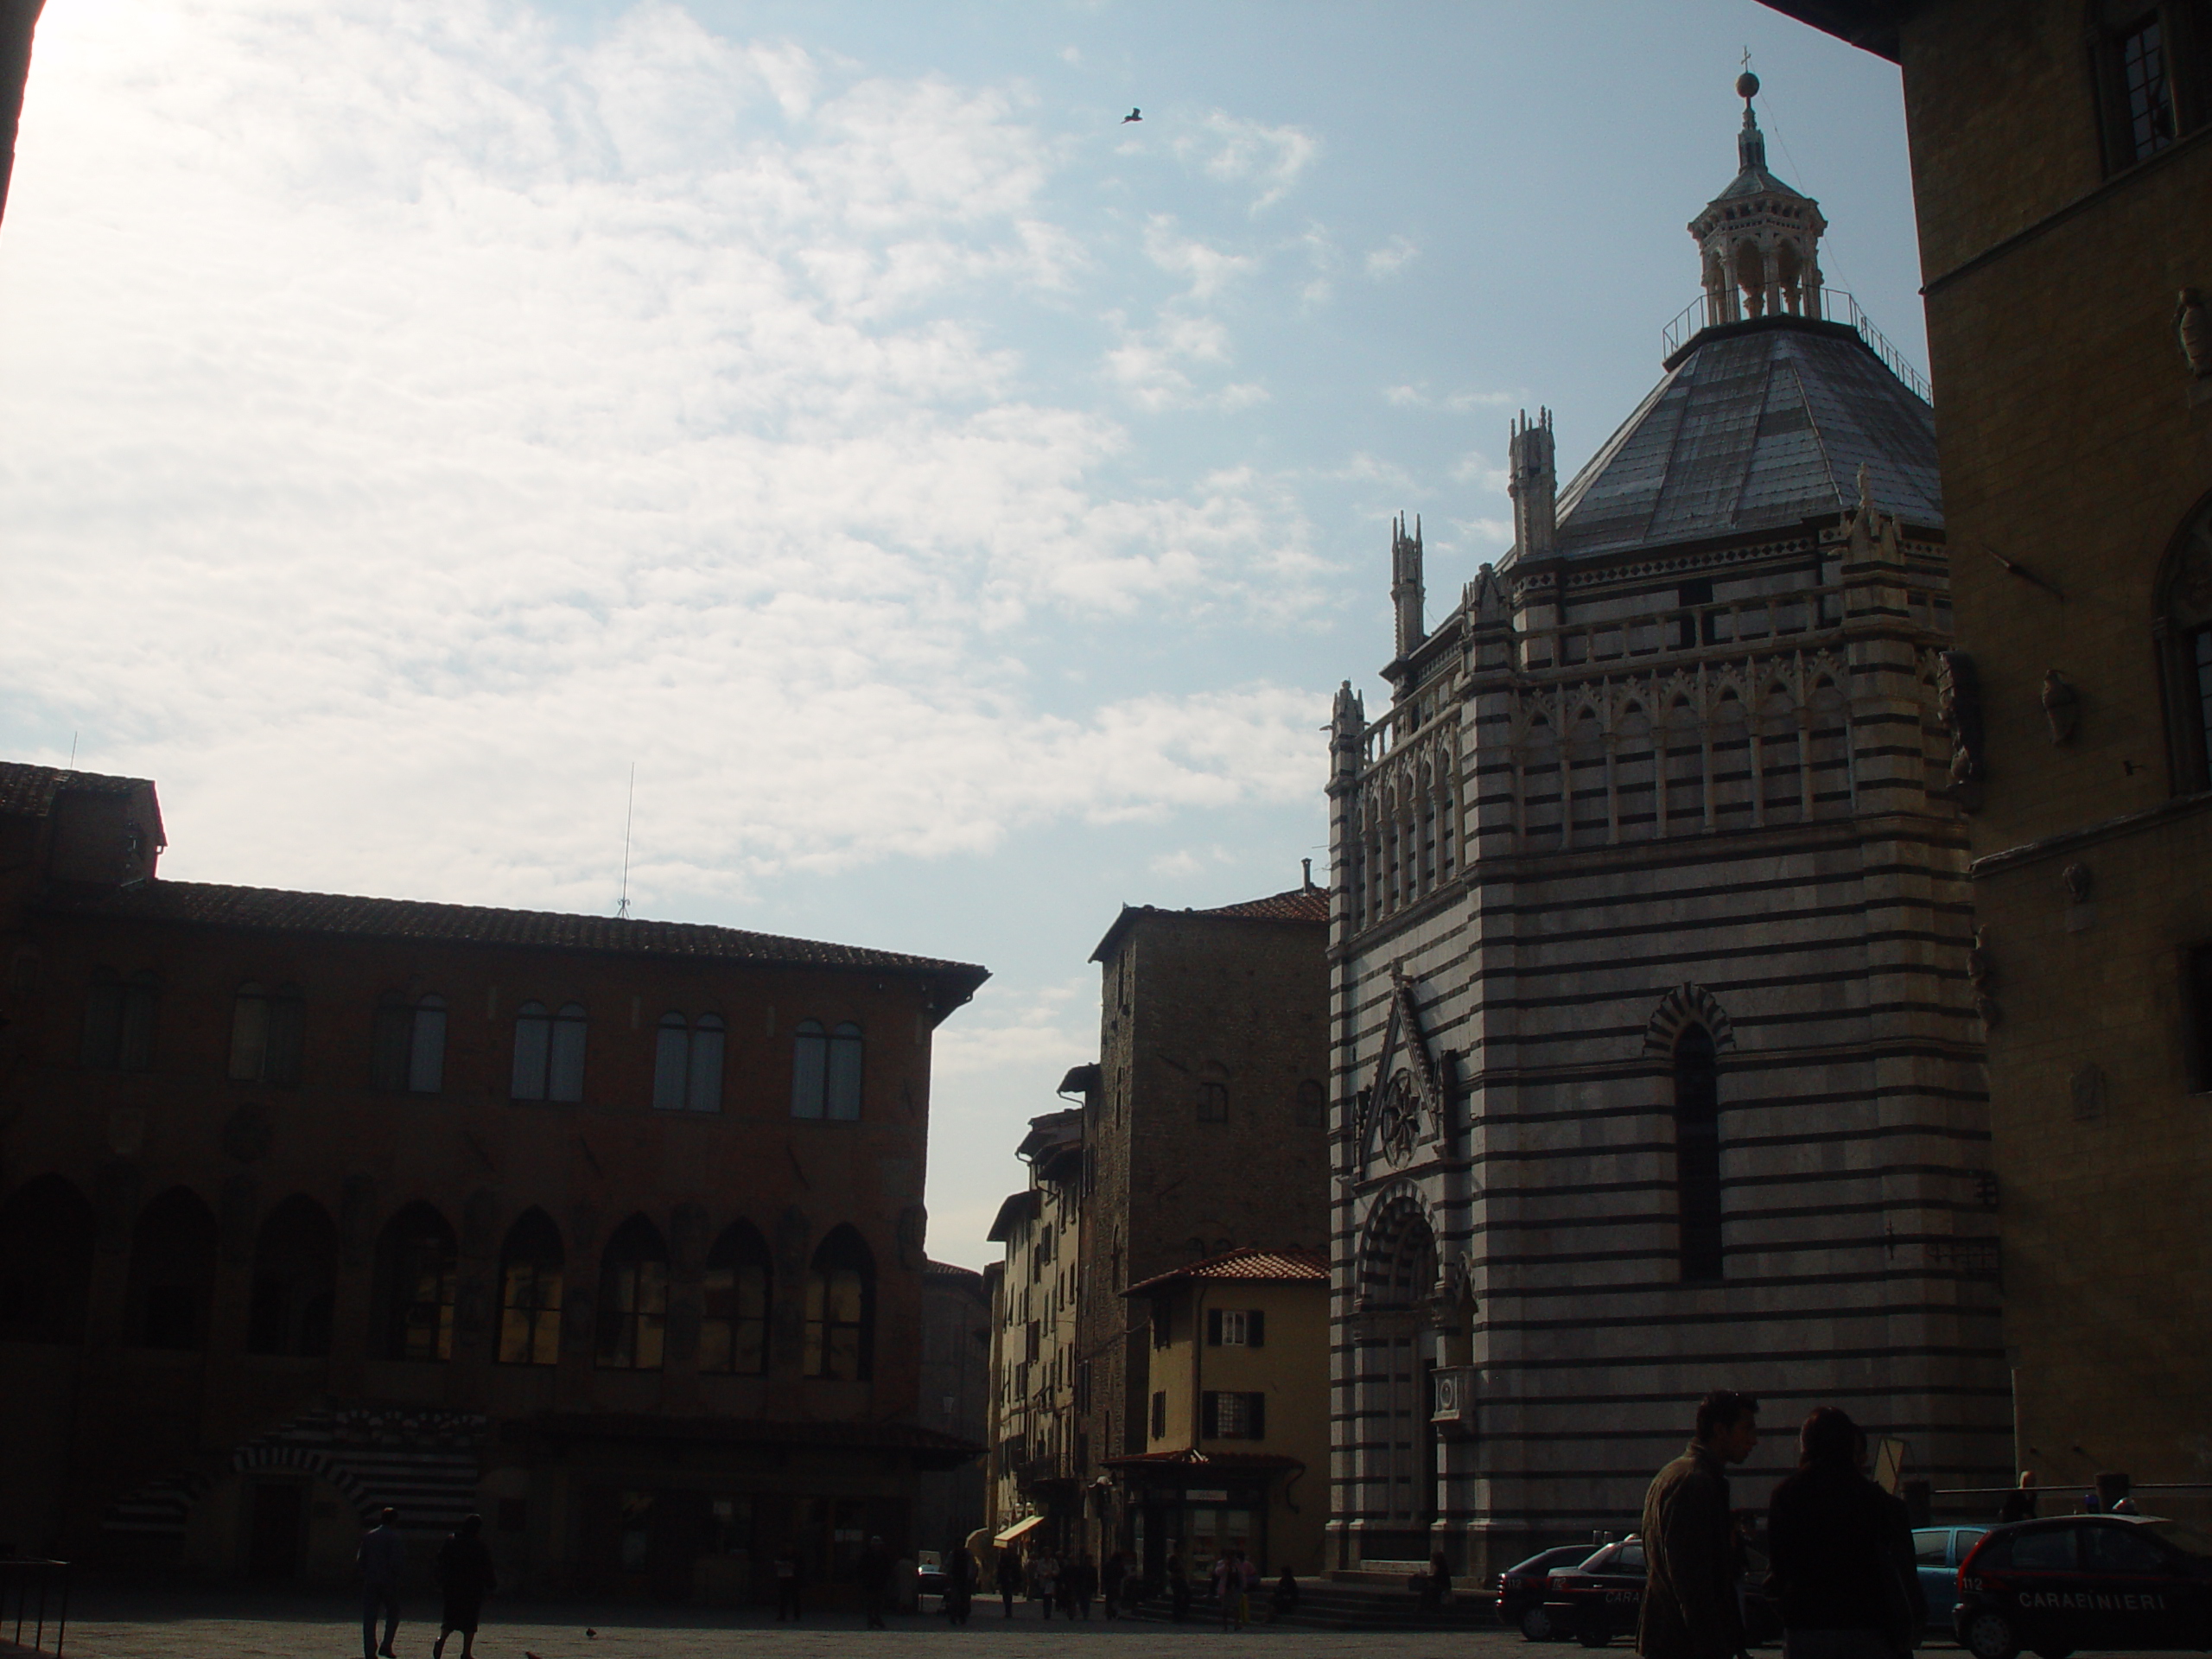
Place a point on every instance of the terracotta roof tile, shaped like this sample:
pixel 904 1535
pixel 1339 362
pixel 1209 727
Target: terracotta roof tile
pixel 1250 1265
pixel 207 905
pixel 27 791
pixel 1300 904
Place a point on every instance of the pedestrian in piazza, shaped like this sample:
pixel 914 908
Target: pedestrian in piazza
pixel 785 1568
pixel 382 1556
pixel 959 1585
pixel 1110 1582
pixel 465 1577
pixel 2019 1503
pixel 875 1582
pixel 1841 1549
pixel 1179 1591
pixel 1285 1597
pixel 1045 1580
pixel 1009 1577
pixel 1690 1610
pixel 1435 1584
pixel 1083 1585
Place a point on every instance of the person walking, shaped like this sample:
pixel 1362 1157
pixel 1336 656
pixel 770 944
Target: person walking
pixel 465 1577
pixel 1110 1582
pixel 959 1585
pixel 1045 1580
pixel 1435 1584
pixel 2019 1503
pixel 1690 1610
pixel 875 1582
pixel 1841 1550
pixel 380 1559
pixel 1009 1578
pixel 1085 1585
pixel 785 1567
pixel 1284 1598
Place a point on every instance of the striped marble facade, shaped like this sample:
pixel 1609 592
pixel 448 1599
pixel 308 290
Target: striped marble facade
pixel 1626 812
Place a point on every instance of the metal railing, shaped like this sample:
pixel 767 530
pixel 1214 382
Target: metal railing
pixel 1834 304
pixel 39 1590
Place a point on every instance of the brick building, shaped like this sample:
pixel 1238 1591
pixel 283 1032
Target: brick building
pixel 609 1229
pixel 954 1390
pixel 2061 155
pixel 1657 1062
pixel 1204 1130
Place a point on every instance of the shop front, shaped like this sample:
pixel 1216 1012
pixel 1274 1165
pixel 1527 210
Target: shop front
pixel 1193 1510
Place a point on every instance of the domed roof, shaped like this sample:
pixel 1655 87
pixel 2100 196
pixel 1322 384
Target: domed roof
pixel 1757 425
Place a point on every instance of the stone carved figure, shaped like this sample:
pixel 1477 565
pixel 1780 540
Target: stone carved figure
pixel 1958 700
pixel 2193 327
pixel 1981 974
pixel 2077 880
pixel 2062 705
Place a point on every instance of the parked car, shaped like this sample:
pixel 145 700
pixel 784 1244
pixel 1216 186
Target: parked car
pixel 1603 1597
pixel 1600 1598
pixel 2121 1583
pixel 929 1573
pixel 1936 1554
pixel 1521 1589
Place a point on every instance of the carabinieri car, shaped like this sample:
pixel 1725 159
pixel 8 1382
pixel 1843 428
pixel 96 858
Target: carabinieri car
pixel 2123 1583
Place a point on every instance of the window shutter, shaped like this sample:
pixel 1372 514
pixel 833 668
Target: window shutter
pixel 1213 1327
pixel 1256 1328
pixel 1256 1416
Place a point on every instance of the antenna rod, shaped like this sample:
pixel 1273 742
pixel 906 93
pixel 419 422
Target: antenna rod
pixel 629 814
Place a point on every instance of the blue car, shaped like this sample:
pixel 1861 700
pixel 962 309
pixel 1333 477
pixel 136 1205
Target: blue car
pixel 1938 1552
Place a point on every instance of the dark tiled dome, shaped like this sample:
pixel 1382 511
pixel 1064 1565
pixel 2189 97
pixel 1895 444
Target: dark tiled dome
pixel 1757 426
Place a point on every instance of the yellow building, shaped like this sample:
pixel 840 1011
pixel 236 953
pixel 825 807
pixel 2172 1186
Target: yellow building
pixel 1236 1447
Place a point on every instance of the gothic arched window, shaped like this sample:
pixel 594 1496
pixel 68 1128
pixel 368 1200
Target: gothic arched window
pixel 633 1298
pixel 1697 1152
pixel 688 1064
pixel 529 1292
pixel 416 1260
pixel 266 1031
pixel 295 1280
pixel 840 1309
pixel 734 1333
pixel 407 1046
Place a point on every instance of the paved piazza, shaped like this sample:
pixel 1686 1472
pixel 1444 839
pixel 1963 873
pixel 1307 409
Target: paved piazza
pixel 243 1625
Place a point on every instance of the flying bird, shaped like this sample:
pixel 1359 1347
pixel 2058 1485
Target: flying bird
pixel 1134 115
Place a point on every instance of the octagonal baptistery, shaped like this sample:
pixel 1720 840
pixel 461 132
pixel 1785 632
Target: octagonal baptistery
pixel 1657 1020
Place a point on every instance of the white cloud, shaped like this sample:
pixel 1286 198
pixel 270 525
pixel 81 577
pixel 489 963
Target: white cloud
pixel 1456 403
pixel 415 420
pixel 1477 468
pixel 1236 151
pixel 1208 269
pixel 1391 257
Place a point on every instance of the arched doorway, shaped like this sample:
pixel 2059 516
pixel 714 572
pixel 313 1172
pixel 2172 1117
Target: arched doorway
pixel 1397 1367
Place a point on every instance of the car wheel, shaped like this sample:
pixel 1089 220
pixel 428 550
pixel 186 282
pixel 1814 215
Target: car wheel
pixel 1990 1635
pixel 1536 1625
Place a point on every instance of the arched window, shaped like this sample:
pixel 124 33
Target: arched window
pixel 172 1272
pixel 266 1031
pixel 407 1049
pixel 46 1262
pixel 119 1022
pixel 733 1334
pixel 416 1260
pixel 1697 1152
pixel 295 1280
pixel 529 1292
pixel 549 1052
pixel 826 1071
pixel 840 1309
pixel 688 1064
pixel 2184 630
pixel 633 1298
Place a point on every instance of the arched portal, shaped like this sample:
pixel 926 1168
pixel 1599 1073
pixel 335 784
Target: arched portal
pixel 1396 1495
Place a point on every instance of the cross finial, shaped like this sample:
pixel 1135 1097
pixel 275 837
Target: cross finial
pixel 1747 57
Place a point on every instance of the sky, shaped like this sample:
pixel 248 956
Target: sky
pixel 956 503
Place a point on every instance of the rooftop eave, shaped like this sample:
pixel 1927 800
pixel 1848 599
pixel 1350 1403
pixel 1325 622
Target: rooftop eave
pixel 1870 25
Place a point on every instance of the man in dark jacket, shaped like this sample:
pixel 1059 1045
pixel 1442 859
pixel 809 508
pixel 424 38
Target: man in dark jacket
pixel 1842 1551
pixel 1689 1540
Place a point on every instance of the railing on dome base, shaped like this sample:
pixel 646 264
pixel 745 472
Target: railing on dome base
pixel 40 1591
pixel 1832 305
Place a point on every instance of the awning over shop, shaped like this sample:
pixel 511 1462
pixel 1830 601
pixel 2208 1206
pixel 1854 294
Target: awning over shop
pixel 1017 1530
